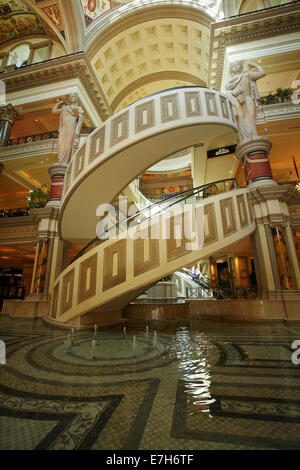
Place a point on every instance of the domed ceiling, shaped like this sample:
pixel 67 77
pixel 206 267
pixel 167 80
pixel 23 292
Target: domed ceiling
pixel 17 20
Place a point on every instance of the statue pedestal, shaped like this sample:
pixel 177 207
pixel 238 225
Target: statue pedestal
pixel 254 156
pixel 57 172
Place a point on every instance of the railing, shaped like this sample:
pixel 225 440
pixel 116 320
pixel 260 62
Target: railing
pixel 4 214
pixel 32 138
pixel 186 197
pixel 44 136
pixel 194 293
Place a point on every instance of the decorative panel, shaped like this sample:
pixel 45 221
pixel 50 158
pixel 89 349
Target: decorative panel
pixel 79 160
pixel 144 116
pixel 114 252
pixel 145 255
pixel 242 210
pixel 228 216
pixel 169 108
pixel 211 104
pixel 192 104
pixel 224 107
pixel 176 246
pixel 119 128
pixel 97 143
pixel 210 224
pixel 67 291
pixel 87 278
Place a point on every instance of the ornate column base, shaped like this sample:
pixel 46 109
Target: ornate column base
pixel 254 156
pixel 57 172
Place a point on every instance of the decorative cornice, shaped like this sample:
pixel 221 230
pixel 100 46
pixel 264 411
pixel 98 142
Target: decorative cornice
pixel 286 193
pixel 19 233
pixel 14 222
pixel 42 147
pixel 277 112
pixel 56 70
pixel 246 28
pixel 46 212
pixel 9 113
pixel 135 13
pixel 273 220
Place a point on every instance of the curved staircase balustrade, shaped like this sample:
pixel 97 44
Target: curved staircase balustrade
pixel 113 273
pixel 134 139
pixel 159 207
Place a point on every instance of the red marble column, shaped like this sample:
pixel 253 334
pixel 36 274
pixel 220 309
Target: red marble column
pixel 57 172
pixel 254 156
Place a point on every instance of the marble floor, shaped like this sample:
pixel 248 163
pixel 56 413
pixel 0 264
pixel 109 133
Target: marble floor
pixel 187 385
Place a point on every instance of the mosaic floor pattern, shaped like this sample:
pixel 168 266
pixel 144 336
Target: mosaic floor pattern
pixel 180 385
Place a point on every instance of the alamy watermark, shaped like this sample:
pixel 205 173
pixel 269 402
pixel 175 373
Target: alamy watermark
pixel 296 354
pixel 2 353
pixel 159 221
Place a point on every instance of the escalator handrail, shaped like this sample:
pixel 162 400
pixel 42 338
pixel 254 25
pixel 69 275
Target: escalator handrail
pixel 194 191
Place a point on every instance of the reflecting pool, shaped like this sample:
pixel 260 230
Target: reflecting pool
pixel 157 385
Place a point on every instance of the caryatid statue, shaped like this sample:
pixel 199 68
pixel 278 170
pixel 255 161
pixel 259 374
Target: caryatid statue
pixel 71 119
pixel 253 149
pixel 244 93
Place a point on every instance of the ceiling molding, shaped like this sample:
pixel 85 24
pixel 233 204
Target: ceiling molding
pixel 246 28
pixel 157 76
pixel 119 20
pixel 58 70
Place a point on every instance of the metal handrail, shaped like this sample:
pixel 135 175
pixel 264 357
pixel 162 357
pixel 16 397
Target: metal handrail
pixel 194 191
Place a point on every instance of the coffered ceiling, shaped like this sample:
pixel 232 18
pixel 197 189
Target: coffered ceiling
pixel 155 51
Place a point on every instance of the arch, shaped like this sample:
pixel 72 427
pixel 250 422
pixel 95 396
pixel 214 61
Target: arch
pixel 156 76
pixel 248 6
pixel 18 55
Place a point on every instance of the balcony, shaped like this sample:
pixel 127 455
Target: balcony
pixel 277 112
pixel 37 144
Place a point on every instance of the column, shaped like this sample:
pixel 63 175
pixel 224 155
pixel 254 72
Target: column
pixel 57 173
pixel 39 274
pixel 199 160
pixel 8 116
pixel 292 253
pixel 254 156
pixel 47 231
pixel 265 268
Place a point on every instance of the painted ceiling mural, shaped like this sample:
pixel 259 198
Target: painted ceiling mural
pixel 92 9
pixel 54 14
pixel 17 20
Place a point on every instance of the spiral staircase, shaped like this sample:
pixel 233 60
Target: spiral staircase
pixel 111 273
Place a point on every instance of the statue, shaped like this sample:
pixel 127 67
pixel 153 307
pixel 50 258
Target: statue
pixel 244 93
pixel 71 119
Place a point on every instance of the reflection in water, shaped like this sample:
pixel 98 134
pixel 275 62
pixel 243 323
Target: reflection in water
pixel 192 353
